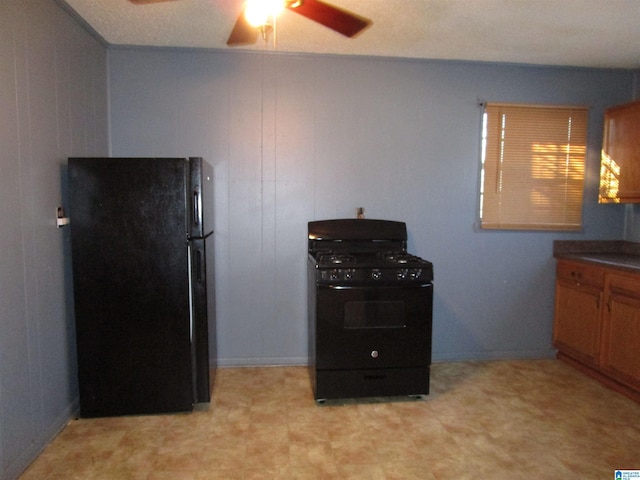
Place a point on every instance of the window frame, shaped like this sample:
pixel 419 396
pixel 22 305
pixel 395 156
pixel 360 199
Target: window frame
pixel 541 157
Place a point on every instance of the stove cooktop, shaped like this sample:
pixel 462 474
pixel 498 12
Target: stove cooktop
pixel 367 252
pixel 369 259
pixel 371 267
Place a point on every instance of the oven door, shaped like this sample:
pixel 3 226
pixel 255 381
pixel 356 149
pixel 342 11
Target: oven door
pixel 373 326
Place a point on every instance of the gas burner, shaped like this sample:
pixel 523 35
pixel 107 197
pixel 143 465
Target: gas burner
pixel 397 257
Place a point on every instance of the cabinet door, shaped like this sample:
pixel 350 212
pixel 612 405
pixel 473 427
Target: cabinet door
pixel 576 330
pixel 620 355
pixel 620 162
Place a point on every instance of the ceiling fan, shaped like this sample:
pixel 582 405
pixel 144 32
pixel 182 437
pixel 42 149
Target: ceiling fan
pixel 337 19
pixel 341 21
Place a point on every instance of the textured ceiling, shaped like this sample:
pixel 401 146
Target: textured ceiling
pixel 588 33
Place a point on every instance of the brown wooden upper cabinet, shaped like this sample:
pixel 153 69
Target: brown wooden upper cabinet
pixel 620 161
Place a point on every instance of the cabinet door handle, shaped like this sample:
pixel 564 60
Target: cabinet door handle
pixel 608 303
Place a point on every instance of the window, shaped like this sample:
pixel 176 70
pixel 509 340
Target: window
pixel 533 162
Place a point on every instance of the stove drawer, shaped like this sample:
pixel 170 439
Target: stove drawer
pixel 378 382
pixel 373 326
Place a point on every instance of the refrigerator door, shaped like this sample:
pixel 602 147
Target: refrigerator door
pixel 131 285
pixel 202 278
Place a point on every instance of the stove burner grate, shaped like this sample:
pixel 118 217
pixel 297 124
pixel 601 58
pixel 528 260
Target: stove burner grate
pixel 336 258
pixel 399 257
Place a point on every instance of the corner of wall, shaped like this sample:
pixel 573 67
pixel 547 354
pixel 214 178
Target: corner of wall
pixel 631 223
pixel 108 93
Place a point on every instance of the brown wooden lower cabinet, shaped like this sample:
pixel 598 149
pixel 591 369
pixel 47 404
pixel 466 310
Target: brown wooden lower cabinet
pixel 597 323
pixel 620 355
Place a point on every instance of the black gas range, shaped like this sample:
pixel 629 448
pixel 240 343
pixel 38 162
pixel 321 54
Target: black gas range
pixel 370 310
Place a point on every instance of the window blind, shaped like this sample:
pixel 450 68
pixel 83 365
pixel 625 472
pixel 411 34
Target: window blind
pixel 533 165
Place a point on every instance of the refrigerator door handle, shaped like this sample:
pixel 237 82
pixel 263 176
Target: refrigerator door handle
pixel 196 207
pixel 199 266
pixel 191 300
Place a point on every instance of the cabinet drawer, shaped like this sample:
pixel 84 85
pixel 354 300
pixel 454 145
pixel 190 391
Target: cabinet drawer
pixel 580 273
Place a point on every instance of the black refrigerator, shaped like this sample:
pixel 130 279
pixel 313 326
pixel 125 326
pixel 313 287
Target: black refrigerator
pixel 142 256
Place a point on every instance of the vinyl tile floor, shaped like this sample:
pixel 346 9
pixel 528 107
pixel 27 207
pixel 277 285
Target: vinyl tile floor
pixel 537 419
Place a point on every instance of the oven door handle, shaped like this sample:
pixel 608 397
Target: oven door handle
pixel 393 285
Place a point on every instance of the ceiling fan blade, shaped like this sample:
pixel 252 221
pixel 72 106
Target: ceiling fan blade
pixel 346 23
pixel 243 33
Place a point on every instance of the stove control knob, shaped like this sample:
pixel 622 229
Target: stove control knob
pixel 348 274
pixel 402 273
pixel 376 274
pixel 416 273
pixel 334 275
pixel 374 354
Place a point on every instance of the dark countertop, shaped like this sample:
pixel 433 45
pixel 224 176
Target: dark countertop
pixel 618 254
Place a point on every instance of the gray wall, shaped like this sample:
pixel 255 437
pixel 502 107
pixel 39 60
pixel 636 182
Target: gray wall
pixel 53 103
pixel 299 138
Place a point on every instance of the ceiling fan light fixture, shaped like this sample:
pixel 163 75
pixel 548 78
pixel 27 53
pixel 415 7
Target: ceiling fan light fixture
pixel 258 12
pixel 265 30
